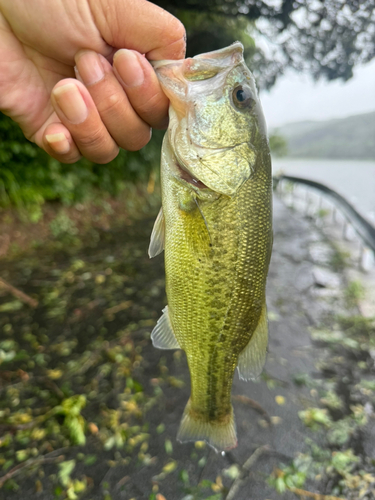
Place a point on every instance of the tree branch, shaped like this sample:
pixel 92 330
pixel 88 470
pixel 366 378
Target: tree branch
pixel 243 476
pixel 30 463
pixel 18 293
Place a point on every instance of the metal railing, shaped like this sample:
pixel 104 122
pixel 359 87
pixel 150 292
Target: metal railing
pixel 362 227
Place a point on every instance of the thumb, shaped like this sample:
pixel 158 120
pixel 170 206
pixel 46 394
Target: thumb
pixel 140 25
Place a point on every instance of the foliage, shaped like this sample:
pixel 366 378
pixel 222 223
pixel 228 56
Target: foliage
pixel 339 259
pixel 278 145
pixel 353 293
pixel 292 476
pixel 325 38
pixel 199 492
pixel 350 137
pixel 314 417
pixel 83 392
pixel 208 31
pixel 28 176
pixel 311 465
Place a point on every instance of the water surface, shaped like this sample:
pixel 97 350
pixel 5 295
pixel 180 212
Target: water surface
pixel 353 179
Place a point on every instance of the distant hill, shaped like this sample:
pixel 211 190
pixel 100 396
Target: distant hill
pixel 352 137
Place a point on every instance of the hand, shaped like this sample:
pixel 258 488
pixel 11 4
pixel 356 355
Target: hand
pixel 107 106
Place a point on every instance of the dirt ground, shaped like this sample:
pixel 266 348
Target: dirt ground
pixel 90 410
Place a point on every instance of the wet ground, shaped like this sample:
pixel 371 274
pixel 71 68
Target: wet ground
pixel 89 409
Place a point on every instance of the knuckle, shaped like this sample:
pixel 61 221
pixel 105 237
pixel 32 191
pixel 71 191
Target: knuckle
pixel 70 158
pixel 174 29
pixel 151 105
pixel 137 141
pixel 180 30
pixel 108 157
pixel 110 104
pixel 97 146
pixel 93 140
pixel 177 36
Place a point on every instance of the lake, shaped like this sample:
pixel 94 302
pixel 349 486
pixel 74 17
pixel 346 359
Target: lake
pixel 353 179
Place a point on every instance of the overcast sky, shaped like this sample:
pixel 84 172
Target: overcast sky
pixel 297 97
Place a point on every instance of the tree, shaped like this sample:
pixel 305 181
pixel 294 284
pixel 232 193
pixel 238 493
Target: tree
pixel 278 145
pixel 325 38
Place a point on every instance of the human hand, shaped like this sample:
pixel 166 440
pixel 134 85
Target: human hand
pixel 109 106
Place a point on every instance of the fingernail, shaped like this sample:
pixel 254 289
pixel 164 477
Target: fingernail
pixel 58 142
pixel 71 103
pixel 129 68
pixel 89 67
pixel 78 76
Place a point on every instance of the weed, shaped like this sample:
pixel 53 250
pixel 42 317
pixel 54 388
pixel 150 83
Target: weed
pixel 339 259
pixel 353 293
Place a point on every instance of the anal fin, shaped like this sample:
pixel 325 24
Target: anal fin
pixel 157 236
pixel 162 335
pixel 251 360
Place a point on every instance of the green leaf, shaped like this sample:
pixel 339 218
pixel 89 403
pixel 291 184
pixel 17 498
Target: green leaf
pixel 90 459
pixel 76 427
pixel 160 428
pixel 170 467
pixel 168 446
pixel 205 483
pixel 15 305
pixel 280 485
pixel 8 464
pixel 184 476
pixel 65 469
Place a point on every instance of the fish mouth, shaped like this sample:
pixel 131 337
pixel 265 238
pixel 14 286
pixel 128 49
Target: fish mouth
pixel 187 177
pixel 215 184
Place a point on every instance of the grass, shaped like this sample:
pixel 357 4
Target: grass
pixel 73 390
pixel 339 259
pixel 340 419
pixel 86 403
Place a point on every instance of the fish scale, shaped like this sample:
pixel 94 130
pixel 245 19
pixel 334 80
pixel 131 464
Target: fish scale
pixel 217 237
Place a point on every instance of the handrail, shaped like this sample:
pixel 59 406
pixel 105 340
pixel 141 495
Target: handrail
pixel 365 230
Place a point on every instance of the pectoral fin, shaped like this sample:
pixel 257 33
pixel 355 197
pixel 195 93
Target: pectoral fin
pixel 252 358
pixel 157 236
pixel 162 335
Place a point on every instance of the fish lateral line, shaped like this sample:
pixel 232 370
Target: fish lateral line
pixel 215 225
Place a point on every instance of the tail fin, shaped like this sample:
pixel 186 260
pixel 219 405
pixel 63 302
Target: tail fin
pixel 221 436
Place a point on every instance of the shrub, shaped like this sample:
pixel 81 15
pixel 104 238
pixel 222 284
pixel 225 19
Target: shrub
pixel 29 177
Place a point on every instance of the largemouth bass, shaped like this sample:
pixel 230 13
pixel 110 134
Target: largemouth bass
pixel 215 226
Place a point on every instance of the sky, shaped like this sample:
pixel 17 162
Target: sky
pixel 296 97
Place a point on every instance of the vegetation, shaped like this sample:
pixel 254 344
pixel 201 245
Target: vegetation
pixel 325 38
pixel 278 145
pixel 87 405
pixel 29 177
pixel 346 138
pixel 74 386
pixel 335 459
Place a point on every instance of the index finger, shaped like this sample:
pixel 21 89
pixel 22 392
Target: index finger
pixel 142 26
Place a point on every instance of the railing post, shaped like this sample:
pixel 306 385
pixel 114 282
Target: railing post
pixel 351 218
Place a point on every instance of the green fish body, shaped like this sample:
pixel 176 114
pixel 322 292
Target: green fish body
pixel 215 226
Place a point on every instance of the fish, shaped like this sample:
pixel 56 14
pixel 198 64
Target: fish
pixel 215 227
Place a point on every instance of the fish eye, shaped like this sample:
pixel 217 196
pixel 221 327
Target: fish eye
pixel 243 97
